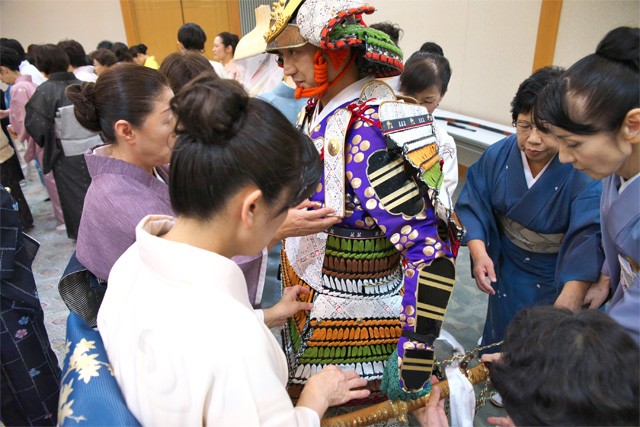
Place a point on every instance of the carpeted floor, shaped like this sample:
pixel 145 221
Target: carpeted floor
pixel 464 319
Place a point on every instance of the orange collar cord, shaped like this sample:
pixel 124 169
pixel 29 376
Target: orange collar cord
pixel 321 67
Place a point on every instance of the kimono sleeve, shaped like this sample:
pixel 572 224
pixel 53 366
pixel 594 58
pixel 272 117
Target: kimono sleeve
pixel 249 390
pixel 39 117
pixel 474 206
pixel 581 256
pixel 415 234
pixel 449 154
pixel 18 284
pixel 19 99
pixel 40 124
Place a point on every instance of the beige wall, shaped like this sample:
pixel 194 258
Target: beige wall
pixel 584 23
pixel 49 21
pixel 491 43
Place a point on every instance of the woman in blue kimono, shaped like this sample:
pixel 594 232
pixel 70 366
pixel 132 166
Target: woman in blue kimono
pixel 532 223
pixel 594 112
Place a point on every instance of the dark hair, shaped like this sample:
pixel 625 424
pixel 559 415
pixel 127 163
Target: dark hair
pixel 15 45
pixel 229 39
pixel 52 59
pixel 75 51
pixel 568 368
pixel 138 48
pixel 104 44
pixel 431 47
pixel 104 57
pixel 32 54
pixel 424 70
pixel 227 140
pixel 121 51
pixel 529 90
pixel 181 67
pixel 596 93
pixel 192 36
pixel 9 58
pixel 123 92
pixel 392 30
pixel 31 58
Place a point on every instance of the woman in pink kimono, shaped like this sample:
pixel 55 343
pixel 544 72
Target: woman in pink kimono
pixel 22 88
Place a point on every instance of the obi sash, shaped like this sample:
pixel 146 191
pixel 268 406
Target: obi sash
pixel 530 240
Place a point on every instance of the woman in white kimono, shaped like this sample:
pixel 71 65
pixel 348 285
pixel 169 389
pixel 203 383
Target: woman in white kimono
pixel 237 167
pixel 594 112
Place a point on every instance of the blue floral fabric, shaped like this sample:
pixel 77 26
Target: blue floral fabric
pixel 89 395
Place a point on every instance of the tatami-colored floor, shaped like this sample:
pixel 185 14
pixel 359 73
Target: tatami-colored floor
pixel 464 319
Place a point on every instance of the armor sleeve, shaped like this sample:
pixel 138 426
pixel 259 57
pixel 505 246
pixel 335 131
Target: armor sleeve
pixel 386 186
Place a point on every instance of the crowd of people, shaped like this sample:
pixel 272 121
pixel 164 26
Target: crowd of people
pixel 175 184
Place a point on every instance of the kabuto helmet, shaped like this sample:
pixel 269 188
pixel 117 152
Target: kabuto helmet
pixel 334 26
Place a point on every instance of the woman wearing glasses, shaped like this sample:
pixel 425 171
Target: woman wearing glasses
pixel 533 224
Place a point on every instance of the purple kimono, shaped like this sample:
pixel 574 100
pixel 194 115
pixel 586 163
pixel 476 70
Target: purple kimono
pixel 121 194
pixel 620 217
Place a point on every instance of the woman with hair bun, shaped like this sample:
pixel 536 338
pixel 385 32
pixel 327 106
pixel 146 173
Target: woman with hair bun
pixel 224 48
pixel 593 110
pixel 140 57
pixel 129 107
pixel 237 167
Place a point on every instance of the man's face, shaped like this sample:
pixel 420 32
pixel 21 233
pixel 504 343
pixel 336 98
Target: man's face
pixel 298 63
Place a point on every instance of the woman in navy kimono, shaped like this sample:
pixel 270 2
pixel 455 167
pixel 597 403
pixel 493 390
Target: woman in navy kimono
pixel 594 112
pixel 532 223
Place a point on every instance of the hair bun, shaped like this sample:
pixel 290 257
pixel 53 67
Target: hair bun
pixel 82 96
pixel 210 109
pixel 622 45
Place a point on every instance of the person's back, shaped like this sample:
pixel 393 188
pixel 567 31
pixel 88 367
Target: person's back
pixel 167 290
pixel 69 169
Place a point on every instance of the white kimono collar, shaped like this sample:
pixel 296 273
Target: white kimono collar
pixel 349 93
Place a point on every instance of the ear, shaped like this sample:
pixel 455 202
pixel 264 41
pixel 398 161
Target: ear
pixel 631 126
pixel 228 49
pixel 3 70
pixel 125 131
pixel 250 206
pixel 181 46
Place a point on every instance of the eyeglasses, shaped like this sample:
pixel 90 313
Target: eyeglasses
pixel 524 127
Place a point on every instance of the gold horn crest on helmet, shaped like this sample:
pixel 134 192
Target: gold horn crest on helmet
pixel 280 16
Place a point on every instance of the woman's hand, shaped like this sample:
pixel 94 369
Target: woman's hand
pixel 482 266
pixel 598 292
pixel 491 358
pixel 433 415
pixel 4 113
pixel 572 295
pixel 330 387
pixel 303 222
pixel 286 307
